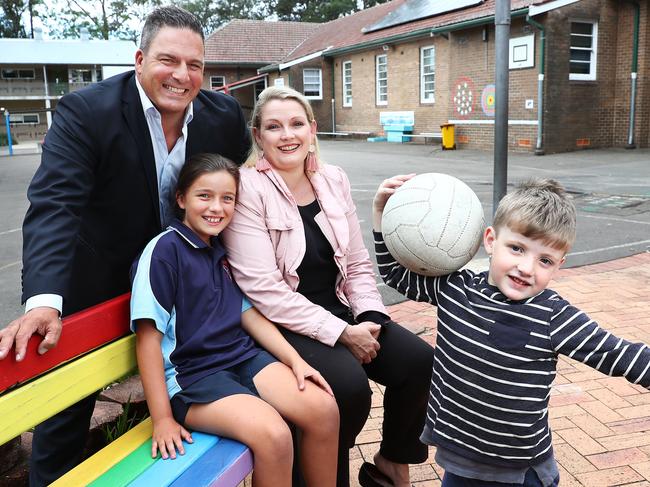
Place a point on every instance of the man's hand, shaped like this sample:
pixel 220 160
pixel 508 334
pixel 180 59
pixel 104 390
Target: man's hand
pixel 43 320
pixel 361 340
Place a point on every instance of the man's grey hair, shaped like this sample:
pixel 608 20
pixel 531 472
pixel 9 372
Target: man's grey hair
pixel 168 16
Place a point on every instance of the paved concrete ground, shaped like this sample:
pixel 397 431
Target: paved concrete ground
pixel 611 187
pixel 601 425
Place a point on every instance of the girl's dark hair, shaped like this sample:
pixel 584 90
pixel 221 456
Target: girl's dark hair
pixel 195 167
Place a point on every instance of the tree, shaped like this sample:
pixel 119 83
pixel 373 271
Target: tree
pixel 11 18
pixel 320 11
pixel 104 19
pixel 214 13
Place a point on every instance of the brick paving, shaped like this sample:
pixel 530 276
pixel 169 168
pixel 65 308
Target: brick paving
pixel 601 424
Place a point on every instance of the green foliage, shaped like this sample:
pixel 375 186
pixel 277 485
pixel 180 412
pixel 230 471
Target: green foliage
pixel 104 19
pixel 214 13
pixel 125 421
pixel 11 17
pixel 319 11
pixel 4 140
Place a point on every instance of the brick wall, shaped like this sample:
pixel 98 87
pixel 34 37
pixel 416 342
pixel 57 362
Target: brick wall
pixel 403 64
pixel 593 114
pixel 246 95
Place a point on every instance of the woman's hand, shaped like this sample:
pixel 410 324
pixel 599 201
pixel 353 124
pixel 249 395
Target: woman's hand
pixel 361 340
pixel 168 437
pixel 386 189
pixel 302 370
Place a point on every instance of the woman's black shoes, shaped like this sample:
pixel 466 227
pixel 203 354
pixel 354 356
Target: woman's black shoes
pixel 371 476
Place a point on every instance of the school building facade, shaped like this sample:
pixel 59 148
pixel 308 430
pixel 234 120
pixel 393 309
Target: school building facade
pixel 586 62
pixel 36 73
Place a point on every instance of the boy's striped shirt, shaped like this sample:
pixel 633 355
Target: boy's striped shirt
pixel 495 361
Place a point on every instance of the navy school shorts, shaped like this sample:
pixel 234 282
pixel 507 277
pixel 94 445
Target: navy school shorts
pixel 237 379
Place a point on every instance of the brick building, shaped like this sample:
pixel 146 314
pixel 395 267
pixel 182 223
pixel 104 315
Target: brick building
pixel 235 52
pixel 580 55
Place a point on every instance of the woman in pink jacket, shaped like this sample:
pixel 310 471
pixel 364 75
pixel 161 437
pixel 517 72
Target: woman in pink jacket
pixel 296 251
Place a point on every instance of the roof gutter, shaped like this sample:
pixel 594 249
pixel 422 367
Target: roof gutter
pixel 281 66
pixel 420 33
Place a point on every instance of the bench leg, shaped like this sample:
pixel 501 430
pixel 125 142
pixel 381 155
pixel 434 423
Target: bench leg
pixel 59 442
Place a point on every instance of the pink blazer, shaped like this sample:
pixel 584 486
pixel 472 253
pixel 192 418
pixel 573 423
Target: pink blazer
pixel 266 244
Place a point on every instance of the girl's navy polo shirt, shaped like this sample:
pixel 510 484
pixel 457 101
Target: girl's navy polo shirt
pixel 186 288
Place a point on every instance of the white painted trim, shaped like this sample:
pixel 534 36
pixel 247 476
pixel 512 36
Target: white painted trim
pixel 536 10
pixel 308 57
pixel 424 100
pixel 491 122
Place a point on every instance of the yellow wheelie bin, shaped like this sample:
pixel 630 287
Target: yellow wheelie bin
pixel 448 136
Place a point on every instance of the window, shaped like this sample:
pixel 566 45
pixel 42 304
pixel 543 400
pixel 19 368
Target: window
pixel 24 118
pixel 381 76
pixel 582 63
pixel 9 73
pixel 217 82
pixel 427 74
pixel 258 89
pixel 347 84
pixel 312 83
pixel 80 75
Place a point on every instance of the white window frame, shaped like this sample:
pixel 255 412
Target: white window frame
pixel 427 96
pixel 346 82
pixel 215 79
pixel 381 96
pixel 19 71
pixel 311 71
pixel 19 118
pixel 591 76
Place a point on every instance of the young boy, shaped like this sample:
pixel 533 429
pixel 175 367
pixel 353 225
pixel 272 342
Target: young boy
pixel 499 336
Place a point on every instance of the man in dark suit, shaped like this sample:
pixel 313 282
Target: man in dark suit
pixel 104 189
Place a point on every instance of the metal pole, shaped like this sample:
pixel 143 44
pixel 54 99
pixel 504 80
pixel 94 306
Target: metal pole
pixel 8 124
pixel 501 41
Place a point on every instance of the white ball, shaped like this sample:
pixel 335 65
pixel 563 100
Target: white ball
pixel 433 224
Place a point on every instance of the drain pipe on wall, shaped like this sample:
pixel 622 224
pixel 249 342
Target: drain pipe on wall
pixel 539 151
pixel 333 97
pixel 633 75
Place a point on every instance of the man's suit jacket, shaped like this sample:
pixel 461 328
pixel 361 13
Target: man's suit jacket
pixel 94 199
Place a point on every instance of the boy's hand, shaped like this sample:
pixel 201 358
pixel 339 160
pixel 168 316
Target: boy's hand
pixel 386 189
pixel 361 340
pixel 168 437
pixel 302 370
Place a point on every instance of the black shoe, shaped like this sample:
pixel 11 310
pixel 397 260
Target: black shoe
pixel 371 476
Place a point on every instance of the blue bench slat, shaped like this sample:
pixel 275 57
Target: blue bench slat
pixel 164 472
pixel 226 464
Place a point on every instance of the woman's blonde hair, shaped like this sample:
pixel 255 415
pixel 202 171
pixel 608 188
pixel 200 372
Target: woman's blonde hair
pixel 276 93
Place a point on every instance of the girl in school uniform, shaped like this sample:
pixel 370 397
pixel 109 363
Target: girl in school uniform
pixel 211 362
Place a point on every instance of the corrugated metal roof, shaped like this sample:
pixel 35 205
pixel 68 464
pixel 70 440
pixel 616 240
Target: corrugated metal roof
pixel 349 31
pixel 33 51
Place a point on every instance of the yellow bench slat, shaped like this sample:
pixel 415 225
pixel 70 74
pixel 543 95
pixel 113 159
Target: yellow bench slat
pixel 41 399
pixel 108 457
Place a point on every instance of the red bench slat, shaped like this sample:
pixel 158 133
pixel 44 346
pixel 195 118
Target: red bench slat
pixel 82 332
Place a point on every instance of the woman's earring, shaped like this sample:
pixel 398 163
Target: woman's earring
pixel 262 164
pixel 312 163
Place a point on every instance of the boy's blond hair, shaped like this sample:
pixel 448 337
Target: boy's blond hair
pixel 539 209
pixel 276 93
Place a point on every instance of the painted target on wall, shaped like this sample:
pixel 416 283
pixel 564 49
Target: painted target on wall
pixel 488 100
pixel 463 97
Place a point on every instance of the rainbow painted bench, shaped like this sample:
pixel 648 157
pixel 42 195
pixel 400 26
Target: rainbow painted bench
pixel 95 349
